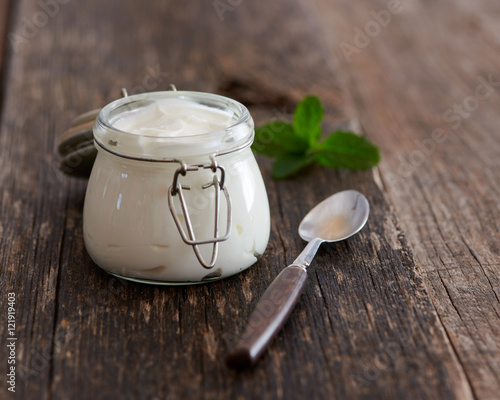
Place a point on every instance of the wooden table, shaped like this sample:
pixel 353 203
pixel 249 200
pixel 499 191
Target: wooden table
pixel 407 309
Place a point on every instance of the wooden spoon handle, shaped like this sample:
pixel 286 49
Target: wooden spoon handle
pixel 269 315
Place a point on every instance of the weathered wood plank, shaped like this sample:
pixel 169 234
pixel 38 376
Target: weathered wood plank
pixel 421 88
pixel 5 8
pixel 365 327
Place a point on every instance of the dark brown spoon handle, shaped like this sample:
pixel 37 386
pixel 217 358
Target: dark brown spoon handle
pixel 269 315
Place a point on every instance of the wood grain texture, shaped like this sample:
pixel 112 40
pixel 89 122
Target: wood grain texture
pixel 383 315
pixel 5 8
pixel 433 108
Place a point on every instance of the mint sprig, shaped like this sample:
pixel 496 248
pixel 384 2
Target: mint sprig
pixel 298 144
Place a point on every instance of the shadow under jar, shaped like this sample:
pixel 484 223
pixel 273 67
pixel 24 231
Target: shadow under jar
pixel 175 195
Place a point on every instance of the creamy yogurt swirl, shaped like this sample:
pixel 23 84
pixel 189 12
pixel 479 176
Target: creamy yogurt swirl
pixel 174 118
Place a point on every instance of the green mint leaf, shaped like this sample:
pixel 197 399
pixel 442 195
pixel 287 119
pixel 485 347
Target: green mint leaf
pixel 288 164
pixel 277 138
pixel 347 150
pixel 297 144
pixel 307 118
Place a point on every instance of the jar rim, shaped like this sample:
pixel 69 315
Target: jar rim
pixel 234 137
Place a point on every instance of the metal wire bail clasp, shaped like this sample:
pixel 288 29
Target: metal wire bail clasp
pixel 218 184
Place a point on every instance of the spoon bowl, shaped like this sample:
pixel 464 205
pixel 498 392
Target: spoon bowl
pixel 336 218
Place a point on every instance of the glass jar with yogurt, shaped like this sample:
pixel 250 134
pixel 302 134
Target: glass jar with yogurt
pixel 175 195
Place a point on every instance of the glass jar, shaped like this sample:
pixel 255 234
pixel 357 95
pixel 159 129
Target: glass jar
pixel 175 209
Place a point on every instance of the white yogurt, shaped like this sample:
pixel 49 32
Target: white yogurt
pixel 174 117
pixel 128 226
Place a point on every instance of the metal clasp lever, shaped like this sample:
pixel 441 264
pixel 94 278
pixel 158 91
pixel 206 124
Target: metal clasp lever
pixel 190 238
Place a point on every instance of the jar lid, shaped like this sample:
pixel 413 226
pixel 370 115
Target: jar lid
pixel 76 146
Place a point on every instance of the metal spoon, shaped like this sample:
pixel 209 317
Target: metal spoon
pixel 335 218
